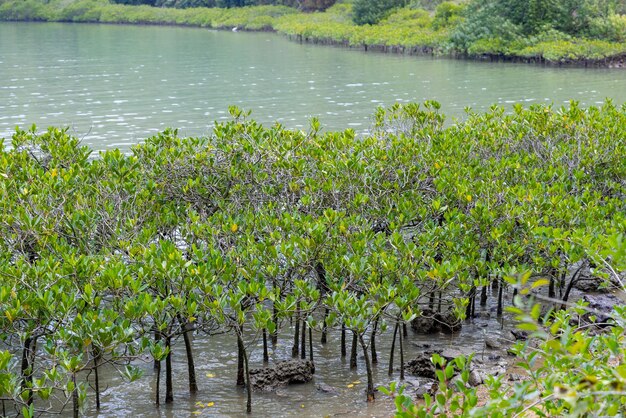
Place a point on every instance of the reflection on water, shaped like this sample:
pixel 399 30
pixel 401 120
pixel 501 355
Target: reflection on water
pixel 116 85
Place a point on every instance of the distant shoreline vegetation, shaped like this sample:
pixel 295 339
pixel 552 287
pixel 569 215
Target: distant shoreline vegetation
pixel 480 29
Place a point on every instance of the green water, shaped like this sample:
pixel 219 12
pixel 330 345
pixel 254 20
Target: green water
pixel 116 85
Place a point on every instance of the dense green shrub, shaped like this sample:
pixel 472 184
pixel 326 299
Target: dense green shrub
pixel 370 12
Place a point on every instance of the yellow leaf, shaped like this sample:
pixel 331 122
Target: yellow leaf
pixel 468 197
pixel 199 404
pixel 234 228
pixel 437 166
pixel 210 404
pixel 351 385
pixel 356 382
pixel 54 172
pixel 196 412
pixel 209 375
pixel 539 283
pixel 302 406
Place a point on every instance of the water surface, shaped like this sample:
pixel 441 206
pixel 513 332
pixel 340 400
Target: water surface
pixel 116 85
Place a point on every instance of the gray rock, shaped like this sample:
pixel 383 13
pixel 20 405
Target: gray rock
pixel 475 378
pixel 417 387
pixel 429 387
pixel 493 343
pixel 452 353
pixel 324 388
pixel 604 304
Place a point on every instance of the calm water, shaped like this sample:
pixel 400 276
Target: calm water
pixel 116 85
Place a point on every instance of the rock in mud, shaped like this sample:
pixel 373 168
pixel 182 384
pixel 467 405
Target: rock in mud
pixel 324 388
pixel 452 353
pixel 588 282
pixel 492 343
pixel 602 303
pixel 283 373
pixel 430 322
pixel 518 335
pixel 417 387
pixel 475 378
pixel 425 323
pixel 448 322
pixel 421 365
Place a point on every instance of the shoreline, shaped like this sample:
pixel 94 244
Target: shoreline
pixel 265 23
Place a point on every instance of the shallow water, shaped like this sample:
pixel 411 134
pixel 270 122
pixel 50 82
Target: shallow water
pixel 116 85
pixel 215 359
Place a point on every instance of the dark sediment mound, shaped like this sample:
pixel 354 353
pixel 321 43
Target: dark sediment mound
pixel 283 373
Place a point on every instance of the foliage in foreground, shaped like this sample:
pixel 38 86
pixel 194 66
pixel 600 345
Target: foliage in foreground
pixel 572 368
pixel 480 28
pixel 253 229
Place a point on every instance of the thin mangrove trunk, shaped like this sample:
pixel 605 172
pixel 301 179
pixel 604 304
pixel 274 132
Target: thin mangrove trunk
pixel 274 335
pixel 571 283
pixel 393 347
pixel 169 384
pixel 371 394
pixel 247 373
pixel 401 357
pixel 373 342
pixel 303 341
pixel 27 368
pixel 75 406
pixel 266 357
pixel 240 360
pixel 157 371
pixel 353 352
pixel 191 367
pixel 483 296
pixel 157 338
pixel 311 347
pixel 96 367
pixel 296 337
pixel 499 309
pixel 324 339
pixel 343 340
